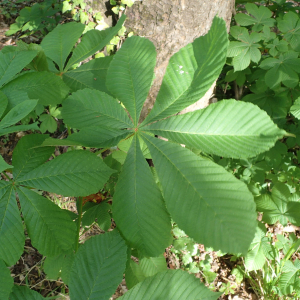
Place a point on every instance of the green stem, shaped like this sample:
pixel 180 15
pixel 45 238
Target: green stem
pixel 6 176
pixel 78 222
pixel 69 130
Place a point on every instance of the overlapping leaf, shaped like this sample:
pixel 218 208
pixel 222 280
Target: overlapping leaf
pixel 130 74
pixel 28 154
pixel 191 72
pixel 98 267
pixel 44 222
pixel 170 285
pixel 11 227
pixel 12 63
pixel 48 88
pixel 227 128
pixel 138 207
pixel 90 75
pixel 24 293
pixel 201 194
pixel 93 41
pixel 87 108
pixel 75 173
pixel 6 281
pixel 59 42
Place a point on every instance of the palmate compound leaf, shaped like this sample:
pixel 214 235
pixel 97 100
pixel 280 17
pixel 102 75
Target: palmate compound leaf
pixel 245 49
pixel 75 173
pixel 280 206
pixel 138 207
pixel 6 281
pixel 98 267
pixel 44 221
pixel 282 69
pixel 228 128
pixel 261 16
pixel 130 74
pixel 170 285
pixel 208 203
pixel 191 72
pixel 12 237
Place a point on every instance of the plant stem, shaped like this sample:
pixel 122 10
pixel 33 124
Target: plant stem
pixel 6 176
pixel 78 222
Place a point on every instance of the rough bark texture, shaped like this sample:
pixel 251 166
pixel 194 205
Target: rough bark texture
pixel 170 25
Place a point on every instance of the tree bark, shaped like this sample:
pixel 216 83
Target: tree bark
pixel 171 25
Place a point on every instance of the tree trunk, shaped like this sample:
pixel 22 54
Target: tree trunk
pixel 171 25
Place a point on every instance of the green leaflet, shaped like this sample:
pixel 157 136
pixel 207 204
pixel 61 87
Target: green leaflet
pixel 138 207
pixel 191 72
pixel 17 113
pixel 3 165
pixel 93 41
pixel 11 228
pixel 89 75
pixel 29 154
pixel 59 42
pixel 98 267
pixel 24 293
pixel 48 88
pixel 44 221
pixel 88 108
pixel 228 128
pixel 12 63
pixel 130 74
pixel 60 174
pixel 170 285
pixel 6 281
pixel 201 194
